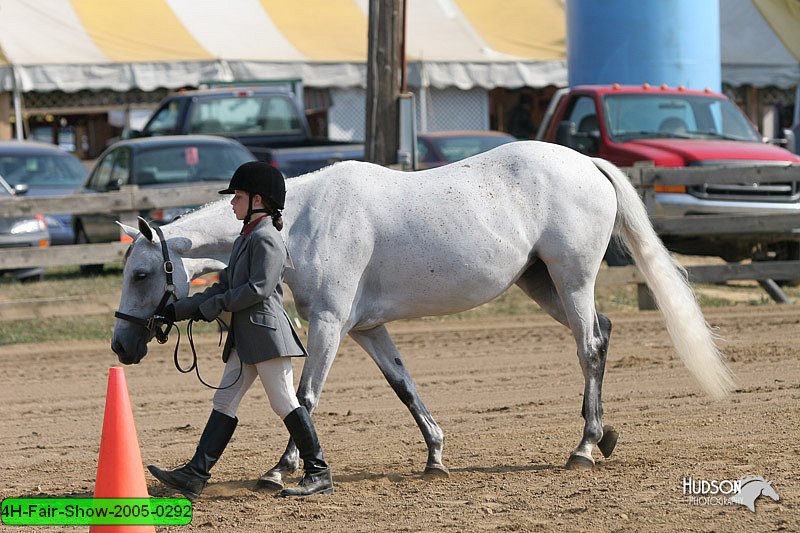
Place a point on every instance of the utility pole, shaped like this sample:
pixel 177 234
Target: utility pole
pixel 385 77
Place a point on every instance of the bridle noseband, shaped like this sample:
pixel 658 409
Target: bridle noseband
pixel 157 325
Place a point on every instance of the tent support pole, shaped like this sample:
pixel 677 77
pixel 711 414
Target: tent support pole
pixel 20 134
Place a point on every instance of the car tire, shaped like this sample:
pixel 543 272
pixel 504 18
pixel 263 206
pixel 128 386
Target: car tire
pixel 86 270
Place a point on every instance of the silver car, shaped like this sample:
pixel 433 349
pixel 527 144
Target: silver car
pixel 22 232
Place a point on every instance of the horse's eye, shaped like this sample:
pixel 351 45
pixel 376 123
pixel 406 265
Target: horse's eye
pixel 140 276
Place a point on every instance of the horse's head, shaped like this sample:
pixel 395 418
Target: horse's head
pixel 769 491
pixel 144 286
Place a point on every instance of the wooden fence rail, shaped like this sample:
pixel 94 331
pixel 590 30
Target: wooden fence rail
pixel 784 225
pixel 129 198
pixel 647 176
pixel 75 254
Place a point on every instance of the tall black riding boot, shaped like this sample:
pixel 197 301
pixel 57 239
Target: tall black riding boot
pixel 317 476
pixel 191 478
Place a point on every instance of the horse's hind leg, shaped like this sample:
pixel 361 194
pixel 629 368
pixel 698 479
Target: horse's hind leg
pixel 381 348
pixel 536 283
pixel 569 306
pixel 591 335
pixel 324 338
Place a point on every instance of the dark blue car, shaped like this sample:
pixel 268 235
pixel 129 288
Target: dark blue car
pixel 156 163
pixel 39 169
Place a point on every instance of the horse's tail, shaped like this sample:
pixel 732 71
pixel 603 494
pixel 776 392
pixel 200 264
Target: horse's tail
pixel 691 335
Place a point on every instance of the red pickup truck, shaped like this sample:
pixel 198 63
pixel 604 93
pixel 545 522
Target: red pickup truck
pixel 676 127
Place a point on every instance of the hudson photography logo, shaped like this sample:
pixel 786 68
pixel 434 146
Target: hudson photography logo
pixel 744 491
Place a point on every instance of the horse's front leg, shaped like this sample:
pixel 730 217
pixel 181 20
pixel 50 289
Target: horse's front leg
pixel 381 348
pixel 592 357
pixel 324 338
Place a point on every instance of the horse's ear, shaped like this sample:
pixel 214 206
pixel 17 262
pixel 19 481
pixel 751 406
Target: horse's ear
pixel 145 228
pixel 129 231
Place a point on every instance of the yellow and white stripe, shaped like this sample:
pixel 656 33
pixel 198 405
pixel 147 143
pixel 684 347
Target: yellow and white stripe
pixel 45 32
pixel 129 31
pixel 255 36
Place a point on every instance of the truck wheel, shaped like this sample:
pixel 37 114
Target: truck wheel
pixel 86 270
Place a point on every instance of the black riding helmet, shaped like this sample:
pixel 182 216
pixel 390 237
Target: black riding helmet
pixel 259 178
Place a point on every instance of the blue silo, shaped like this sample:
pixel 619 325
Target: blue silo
pixel 636 41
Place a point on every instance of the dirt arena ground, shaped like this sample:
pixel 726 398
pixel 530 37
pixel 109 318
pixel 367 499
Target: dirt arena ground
pixel 507 393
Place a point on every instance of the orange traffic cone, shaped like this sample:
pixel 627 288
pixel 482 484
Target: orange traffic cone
pixel 119 468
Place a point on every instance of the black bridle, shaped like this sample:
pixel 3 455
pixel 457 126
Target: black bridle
pixel 159 327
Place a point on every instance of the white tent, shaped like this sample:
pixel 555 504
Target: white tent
pixel 752 54
pixel 71 45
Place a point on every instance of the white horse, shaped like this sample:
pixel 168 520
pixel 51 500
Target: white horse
pixel 372 245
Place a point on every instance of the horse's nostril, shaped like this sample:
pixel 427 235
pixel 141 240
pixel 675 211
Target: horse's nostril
pixel 122 355
pixel 117 348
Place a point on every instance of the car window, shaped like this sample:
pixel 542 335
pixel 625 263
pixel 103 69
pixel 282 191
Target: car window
pixel 245 115
pixel 5 190
pixel 458 148
pixel 165 121
pixel 192 162
pixel 729 121
pixel 674 115
pixel 653 114
pixel 102 173
pixel 112 172
pixel 120 174
pixel 54 170
pixel 583 114
pixel 423 151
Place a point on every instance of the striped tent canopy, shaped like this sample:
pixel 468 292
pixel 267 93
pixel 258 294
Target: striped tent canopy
pixel 72 45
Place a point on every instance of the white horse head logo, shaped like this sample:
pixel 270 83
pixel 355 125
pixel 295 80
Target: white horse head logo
pixel 751 488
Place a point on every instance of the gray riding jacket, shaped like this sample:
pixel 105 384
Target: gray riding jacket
pixel 250 288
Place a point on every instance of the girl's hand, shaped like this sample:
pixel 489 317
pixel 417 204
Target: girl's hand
pixel 198 316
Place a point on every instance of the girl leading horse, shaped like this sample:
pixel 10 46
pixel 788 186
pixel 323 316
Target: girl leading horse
pixel 371 245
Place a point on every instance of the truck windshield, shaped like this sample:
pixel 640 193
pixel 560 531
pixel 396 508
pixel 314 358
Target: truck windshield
pixel 245 115
pixel 648 116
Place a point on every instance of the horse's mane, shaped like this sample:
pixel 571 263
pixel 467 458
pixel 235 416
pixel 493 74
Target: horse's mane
pixel 750 479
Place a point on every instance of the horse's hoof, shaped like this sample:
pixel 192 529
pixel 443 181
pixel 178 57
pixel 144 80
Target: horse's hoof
pixel 435 472
pixel 609 441
pixel 579 462
pixel 270 481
